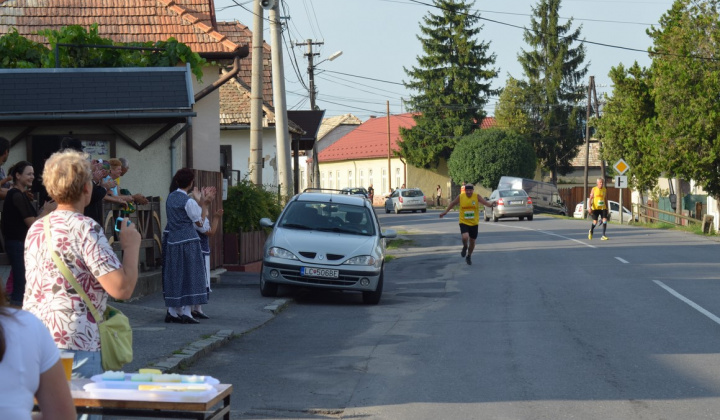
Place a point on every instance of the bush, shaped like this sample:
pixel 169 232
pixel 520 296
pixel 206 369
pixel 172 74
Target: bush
pixel 246 204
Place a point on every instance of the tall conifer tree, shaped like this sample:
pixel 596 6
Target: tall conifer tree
pixel 554 70
pixel 452 81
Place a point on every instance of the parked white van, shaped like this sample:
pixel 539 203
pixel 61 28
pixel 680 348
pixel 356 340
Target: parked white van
pixel 545 196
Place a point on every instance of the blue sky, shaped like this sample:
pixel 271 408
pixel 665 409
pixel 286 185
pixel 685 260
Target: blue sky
pixel 379 37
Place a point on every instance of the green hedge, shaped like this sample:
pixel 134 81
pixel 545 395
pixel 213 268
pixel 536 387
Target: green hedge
pixel 246 204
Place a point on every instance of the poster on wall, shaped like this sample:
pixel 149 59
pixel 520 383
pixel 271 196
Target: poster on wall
pixel 97 148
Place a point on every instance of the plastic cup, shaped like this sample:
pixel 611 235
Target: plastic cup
pixel 67 363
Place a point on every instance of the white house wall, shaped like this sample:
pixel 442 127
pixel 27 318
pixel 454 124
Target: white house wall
pixel 239 140
pixel 206 126
pixel 362 173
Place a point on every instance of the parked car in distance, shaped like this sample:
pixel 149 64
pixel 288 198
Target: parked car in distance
pixel 406 199
pixel 359 191
pixel 510 203
pixel 325 240
pixel 545 196
pixel 614 212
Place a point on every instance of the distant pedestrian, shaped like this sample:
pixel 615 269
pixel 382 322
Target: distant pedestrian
pixel 438 195
pixel 469 218
pixel 598 208
pixel 371 194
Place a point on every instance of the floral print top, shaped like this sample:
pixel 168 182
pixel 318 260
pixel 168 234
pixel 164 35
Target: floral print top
pixel 83 247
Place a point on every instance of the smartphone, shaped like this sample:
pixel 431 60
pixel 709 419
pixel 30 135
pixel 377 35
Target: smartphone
pixel 118 222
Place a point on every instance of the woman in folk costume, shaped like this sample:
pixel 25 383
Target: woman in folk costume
pixel 183 265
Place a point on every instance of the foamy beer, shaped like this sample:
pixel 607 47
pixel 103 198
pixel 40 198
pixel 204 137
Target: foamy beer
pixel 67 362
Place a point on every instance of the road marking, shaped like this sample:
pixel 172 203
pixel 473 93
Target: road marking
pixel 549 233
pixel 621 260
pixel 689 302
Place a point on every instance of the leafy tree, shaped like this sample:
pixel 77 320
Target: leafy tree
pixel 511 111
pixel 554 70
pixel 686 82
pixel 486 155
pixel 19 52
pixel 628 125
pixel 452 81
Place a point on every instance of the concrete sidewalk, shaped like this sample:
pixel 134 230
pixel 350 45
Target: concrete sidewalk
pixel 235 307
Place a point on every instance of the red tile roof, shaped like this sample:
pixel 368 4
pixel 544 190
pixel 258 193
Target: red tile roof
pixel 370 140
pixel 189 21
pixel 242 35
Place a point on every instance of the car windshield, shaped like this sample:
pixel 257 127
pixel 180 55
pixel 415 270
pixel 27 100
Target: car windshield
pixel 412 193
pixel 328 217
pixel 512 193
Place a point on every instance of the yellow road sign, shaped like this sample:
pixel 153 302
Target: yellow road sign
pixel 621 166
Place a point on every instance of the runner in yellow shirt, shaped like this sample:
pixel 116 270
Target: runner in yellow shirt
pixel 469 218
pixel 598 208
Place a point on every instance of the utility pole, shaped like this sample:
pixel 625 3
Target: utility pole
pixel 587 147
pixel 315 178
pixel 389 175
pixel 256 88
pixel 282 134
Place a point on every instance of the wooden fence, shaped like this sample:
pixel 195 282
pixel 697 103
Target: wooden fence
pixel 571 196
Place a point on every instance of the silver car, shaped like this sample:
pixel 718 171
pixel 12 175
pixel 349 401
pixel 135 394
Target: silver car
pixel 510 203
pixel 328 241
pixel 406 199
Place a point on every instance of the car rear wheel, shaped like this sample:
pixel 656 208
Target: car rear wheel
pixel 485 215
pixel 267 289
pixel 495 218
pixel 530 217
pixel 373 298
pixel 423 210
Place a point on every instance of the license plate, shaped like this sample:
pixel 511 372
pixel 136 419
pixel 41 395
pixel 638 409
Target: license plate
pixel 516 202
pixel 319 272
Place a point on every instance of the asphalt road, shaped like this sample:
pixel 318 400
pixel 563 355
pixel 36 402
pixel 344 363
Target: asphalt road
pixel 544 325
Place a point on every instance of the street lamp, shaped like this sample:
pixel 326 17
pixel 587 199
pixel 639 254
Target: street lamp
pixel 311 73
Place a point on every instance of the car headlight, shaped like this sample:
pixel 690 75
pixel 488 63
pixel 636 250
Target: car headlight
pixel 281 253
pixel 361 260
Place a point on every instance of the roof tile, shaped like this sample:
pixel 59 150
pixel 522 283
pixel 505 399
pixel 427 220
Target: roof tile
pixel 188 21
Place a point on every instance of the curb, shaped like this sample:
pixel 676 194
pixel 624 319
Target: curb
pixel 185 357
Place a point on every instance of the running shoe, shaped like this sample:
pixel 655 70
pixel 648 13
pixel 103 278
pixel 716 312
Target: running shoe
pixel 590 234
pixel 464 251
pixel 604 238
pixel 468 260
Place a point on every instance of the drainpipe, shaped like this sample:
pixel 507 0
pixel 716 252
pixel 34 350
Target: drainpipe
pixel 221 81
pixel 203 93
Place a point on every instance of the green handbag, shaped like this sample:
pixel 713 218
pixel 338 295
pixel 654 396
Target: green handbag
pixel 115 332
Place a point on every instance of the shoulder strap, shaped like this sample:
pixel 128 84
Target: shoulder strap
pixel 67 273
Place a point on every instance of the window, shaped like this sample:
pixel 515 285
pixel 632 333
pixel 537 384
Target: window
pixel 370 178
pixel 330 179
pixel 337 180
pixel 302 180
pixel 397 177
pixel 385 186
pixel 322 179
pixel 362 178
pixel 350 179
